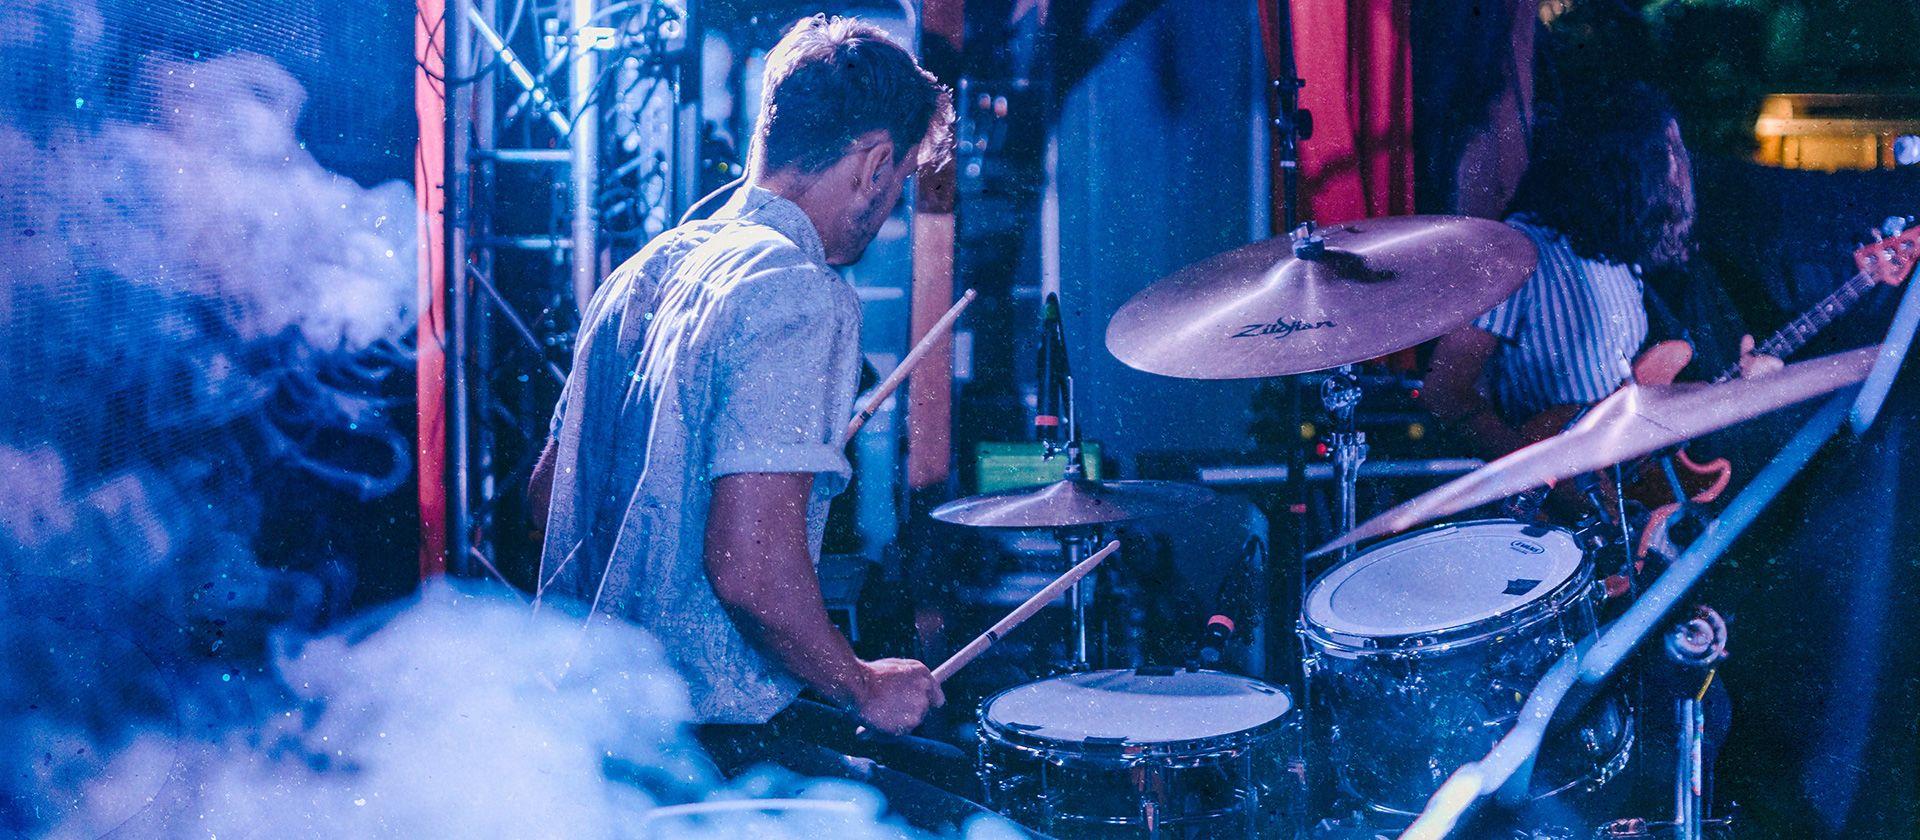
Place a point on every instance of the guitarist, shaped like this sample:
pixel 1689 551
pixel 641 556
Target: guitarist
pixel 1608 201
pixel 1607 197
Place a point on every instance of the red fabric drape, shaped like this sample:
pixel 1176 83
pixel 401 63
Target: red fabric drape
pixel 1355 58
pixel 1357 64
pixel 429 175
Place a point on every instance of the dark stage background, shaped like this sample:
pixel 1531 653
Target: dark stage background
pixel 1822 593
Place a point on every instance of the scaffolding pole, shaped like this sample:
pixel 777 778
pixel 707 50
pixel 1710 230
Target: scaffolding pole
pixel 583 141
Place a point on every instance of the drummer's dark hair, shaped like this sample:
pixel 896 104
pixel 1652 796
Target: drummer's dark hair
pixel 1599 173
pixel 832 79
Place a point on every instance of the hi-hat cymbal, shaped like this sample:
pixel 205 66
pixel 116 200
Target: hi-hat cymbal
pixel 1073 502
pixel 1637 420
pixel 1379 286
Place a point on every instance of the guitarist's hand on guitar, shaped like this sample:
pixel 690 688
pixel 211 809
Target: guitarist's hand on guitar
pixel 1756 364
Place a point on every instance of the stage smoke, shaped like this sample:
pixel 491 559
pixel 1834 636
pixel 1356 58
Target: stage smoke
pixel 195 309
pixel 461 715
pixel 192 305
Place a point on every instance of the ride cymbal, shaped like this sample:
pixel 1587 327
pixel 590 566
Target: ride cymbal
pixel 1369 288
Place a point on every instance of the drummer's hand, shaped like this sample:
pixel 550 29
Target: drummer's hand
pixel 894 695
pixel 1756 364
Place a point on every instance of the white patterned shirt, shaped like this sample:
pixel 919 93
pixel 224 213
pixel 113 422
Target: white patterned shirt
pixel 1569 335
pixel 726 346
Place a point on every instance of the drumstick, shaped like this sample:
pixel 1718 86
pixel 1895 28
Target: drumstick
pixel 1021 613
pixel 886 387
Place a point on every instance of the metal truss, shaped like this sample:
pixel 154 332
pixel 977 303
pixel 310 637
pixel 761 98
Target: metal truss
pixel 574 137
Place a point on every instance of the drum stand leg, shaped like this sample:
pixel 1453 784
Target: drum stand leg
pixel 1696 643
pixel 1687 779
pixel 1251 807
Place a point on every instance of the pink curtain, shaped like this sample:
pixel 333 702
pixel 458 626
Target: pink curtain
pixel 1356 60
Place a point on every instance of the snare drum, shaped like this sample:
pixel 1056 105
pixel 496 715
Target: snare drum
pixel 1422 650
pixel 1149 752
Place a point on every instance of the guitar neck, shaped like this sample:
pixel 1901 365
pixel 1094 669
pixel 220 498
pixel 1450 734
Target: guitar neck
pixel 1800 330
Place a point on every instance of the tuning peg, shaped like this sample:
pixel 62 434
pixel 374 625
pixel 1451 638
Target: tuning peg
pixel 1893 226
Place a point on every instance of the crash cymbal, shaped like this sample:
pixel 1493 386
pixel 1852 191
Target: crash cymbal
pixel 1377 286
pixel 1637 420
pixel 1073 502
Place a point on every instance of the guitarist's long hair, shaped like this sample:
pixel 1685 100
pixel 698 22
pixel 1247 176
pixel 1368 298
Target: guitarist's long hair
pixel 1608 170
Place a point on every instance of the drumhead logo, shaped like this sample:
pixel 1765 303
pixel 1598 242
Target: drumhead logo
pixel 1520 586
pixel 1525 547
pixel 1280 328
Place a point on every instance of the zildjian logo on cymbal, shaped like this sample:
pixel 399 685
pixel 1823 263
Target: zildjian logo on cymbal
pixel 1279 328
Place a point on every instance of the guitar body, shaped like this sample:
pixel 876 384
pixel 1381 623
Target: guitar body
pixel 1702 482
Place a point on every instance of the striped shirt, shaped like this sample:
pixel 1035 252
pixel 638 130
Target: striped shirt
pixel 1569 335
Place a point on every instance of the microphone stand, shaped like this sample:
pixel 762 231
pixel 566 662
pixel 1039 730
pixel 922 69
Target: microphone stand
pixel 1076 543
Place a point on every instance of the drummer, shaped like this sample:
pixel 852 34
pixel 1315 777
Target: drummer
pixel 692 455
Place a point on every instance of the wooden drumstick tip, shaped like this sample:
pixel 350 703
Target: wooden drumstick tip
pixel 887 386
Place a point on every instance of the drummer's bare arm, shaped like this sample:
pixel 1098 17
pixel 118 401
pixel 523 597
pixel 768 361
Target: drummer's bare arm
pixel 759 565
pixel 540 485
pixel 1453 393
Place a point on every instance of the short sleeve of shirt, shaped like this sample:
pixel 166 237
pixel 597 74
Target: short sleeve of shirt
pixel 1503 320
pixel 779 377
pixel 1506 319
pixel 559 414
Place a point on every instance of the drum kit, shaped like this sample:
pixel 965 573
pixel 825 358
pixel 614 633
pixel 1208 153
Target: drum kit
pixel 1417 652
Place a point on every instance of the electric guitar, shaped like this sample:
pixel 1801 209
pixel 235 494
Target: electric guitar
pixel 1887 260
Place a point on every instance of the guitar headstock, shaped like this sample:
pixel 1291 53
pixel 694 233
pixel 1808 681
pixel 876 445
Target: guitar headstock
pixel 1892 254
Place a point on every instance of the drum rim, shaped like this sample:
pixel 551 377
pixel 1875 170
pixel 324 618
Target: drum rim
pixel 1129 751
pixel 1556 600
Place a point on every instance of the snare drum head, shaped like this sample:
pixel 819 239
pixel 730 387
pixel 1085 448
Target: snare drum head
pixel 1443 578
pixel 1131 707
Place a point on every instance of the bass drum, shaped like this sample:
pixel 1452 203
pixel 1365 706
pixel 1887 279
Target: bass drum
pixel 1420 652
pixel 1149 753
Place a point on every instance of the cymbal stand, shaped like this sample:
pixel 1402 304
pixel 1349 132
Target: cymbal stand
pixel 1076 467
pixel 1077 544
pixel 1341 393
pixel 1696 645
